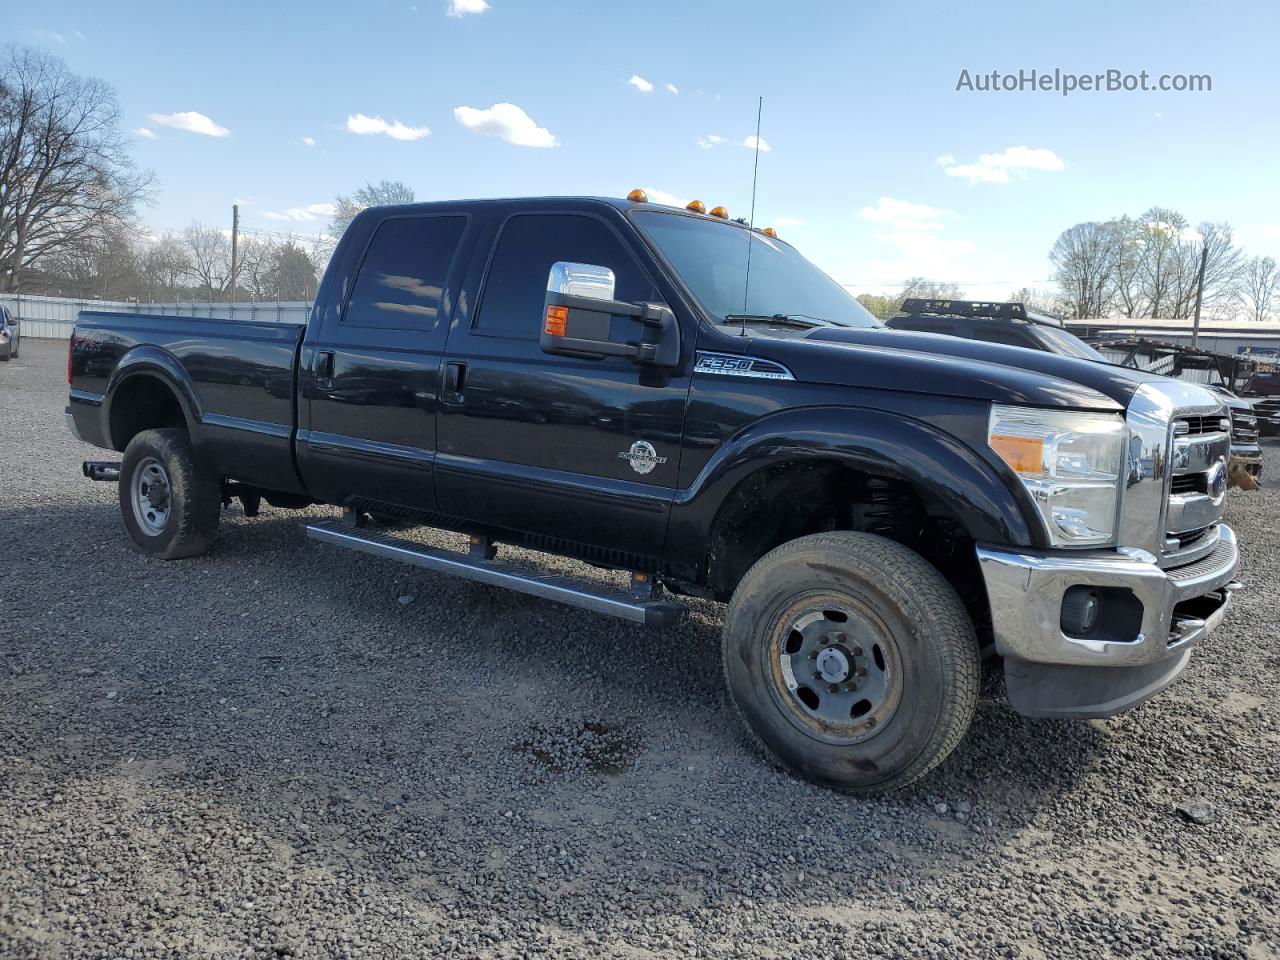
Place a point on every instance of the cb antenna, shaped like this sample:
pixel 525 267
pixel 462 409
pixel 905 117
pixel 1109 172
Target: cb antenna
pixel 751 225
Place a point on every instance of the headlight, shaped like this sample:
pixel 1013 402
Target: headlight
pixel 1070 463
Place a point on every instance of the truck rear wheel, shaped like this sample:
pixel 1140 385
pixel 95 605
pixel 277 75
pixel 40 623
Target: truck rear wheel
pixel 851 660
pixel 169 504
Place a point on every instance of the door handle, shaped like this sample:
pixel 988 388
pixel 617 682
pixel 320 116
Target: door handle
pixel 455 381
pixel 324 369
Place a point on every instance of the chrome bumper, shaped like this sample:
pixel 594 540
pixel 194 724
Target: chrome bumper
pixel 1025 590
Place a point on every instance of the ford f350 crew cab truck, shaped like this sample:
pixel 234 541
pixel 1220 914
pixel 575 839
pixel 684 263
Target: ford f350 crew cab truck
pixel 610 380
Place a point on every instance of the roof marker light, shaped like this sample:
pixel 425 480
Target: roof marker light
pixel 720 212
pixel 697 206
pixel 638 196
pixel 770 232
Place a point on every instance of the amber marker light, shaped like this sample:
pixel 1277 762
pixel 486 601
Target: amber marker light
pixel 720 212
pixel 1024 454
pixel 770 232
pixel 638 196
pixel 557 320
pixel 697 206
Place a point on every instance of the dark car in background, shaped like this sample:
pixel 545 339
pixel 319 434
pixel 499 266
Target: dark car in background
pixel 1263 390
pixel 1013 324
pixel 8 335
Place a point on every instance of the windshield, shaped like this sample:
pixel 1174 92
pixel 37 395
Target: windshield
pixel 711 258
pixel 1068 344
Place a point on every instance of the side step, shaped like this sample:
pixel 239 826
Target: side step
pixel 574 591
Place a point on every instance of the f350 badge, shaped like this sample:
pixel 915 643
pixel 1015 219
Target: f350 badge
pixel 642 457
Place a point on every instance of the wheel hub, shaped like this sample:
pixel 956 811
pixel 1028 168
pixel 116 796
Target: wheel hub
pixel 836 669
pixel 151 496
pixel 832 665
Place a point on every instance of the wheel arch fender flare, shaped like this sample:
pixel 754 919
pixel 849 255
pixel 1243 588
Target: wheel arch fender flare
pixel 159 364
pixel 991 507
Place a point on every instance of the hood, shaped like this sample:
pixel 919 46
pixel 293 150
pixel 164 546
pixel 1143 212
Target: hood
pixel 940 365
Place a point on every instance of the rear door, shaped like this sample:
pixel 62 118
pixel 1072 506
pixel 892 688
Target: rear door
pixel 371 372
pixel 582 454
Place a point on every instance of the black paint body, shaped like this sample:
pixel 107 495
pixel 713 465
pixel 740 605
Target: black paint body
pixel 467 430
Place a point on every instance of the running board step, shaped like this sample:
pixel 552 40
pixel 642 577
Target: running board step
pixel 574 591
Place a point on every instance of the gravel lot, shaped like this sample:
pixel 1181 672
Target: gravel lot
pixel 284 750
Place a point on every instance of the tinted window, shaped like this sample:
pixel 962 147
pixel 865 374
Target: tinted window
pixel 403 273
pixel 1012 338
pixel 516 286
pixel 711 257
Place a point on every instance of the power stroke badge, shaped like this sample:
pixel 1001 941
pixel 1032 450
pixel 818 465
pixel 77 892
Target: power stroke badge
pixel 642 457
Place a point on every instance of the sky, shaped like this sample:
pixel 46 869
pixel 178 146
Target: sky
pixel 872 162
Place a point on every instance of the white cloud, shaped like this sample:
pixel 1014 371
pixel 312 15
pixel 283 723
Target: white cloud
pixel 661 196
pixel 309 141
pixel 710 140
pixel 312 211
pixel 995 167
pixel 460 8
pixel 715 140
pixel 192 122
pixel 750 144
pixel 672 88
pixel 145 133
pixel 946 160
pixel 787 222
pixel 905 215
pixel 507 121
pixel 640 83
pixel 361 124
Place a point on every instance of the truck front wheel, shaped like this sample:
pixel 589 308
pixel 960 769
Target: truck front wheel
pixel 169 504
pixel 851 660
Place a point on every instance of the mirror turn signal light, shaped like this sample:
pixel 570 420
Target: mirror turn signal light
pixel 720 212
pixel 638 196
pixel 557 321
pixel 697 206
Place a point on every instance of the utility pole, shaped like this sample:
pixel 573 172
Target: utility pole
pixel 1204 261
pixel 235 238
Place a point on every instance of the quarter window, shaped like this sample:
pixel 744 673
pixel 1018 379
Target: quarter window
pixel 401 280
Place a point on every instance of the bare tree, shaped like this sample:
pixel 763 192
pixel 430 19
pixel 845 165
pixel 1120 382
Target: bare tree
pixel 924 289
pixel 164 264
pixel 1084 259
pixel 1160 263
pixel 1126 284
pixel 208 252
pixel 254 267
pixel 1223 263
pixel 1260 288
pixel 379 194
pixel 65 174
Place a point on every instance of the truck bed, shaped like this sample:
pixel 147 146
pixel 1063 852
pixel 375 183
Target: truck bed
pixel 235 380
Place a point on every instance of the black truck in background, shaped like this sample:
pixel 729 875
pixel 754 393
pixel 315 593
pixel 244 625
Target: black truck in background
pixel 605 379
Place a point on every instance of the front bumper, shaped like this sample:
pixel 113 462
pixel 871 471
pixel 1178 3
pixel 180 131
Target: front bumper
pixel 1051 673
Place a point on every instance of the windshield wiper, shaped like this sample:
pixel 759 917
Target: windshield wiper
pixel 803 321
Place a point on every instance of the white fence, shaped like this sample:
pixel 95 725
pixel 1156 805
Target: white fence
pixel 52 318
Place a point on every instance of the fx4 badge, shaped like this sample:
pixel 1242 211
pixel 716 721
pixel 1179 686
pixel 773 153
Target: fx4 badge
pixel 642 457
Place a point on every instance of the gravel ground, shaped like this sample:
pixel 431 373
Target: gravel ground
pixel 284 750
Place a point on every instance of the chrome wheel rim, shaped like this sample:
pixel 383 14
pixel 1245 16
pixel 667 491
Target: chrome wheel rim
pixel 835 669
pixel 151 496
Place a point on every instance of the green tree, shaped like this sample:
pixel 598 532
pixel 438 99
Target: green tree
pixel 292 274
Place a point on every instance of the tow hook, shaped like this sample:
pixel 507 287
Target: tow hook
pixel 101 470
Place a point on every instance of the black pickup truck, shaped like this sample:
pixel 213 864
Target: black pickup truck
pixel 674 394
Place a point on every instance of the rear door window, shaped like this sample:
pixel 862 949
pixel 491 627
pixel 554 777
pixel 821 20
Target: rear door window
pixel 401 279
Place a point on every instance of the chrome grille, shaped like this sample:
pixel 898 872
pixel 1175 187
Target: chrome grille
pixel 1244 427
pixel 1197 482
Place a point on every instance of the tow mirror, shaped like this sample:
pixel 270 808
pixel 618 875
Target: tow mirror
pixel 578 313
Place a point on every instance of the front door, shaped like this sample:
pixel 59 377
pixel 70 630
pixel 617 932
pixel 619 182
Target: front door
pixel 581 454
pixel 372 373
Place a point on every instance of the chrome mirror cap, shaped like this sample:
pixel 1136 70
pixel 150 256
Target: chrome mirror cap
pixel 581 280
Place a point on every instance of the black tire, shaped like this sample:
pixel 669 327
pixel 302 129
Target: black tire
pixel 175 514
pixel 910 632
